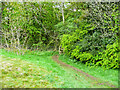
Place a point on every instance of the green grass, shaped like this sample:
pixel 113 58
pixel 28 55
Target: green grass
pixel 38 70
pixel 110 75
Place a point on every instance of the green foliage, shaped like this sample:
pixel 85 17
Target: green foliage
pixel 70 41
pixel 109 57
pixel 82 29
pixel 67 27
pixel 27 25
pixel 67 42
pixel 93 41
pixel 82 56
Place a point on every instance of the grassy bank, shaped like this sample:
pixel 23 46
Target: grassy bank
pixel 110 75
pixel 38 70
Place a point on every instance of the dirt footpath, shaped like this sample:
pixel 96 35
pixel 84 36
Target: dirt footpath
pixel 55 58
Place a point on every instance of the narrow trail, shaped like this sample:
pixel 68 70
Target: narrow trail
pixel 55 58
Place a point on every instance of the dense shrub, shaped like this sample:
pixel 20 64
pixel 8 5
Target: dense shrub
pixel 109 57
pixel 94 42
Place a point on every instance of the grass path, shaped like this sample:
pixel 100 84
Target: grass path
pixel 94 79
pixel 110 75
pixel 38 70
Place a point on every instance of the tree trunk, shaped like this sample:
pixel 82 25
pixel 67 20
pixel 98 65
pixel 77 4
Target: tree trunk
pixel 18 38
pixel 63 12
pixel 6 40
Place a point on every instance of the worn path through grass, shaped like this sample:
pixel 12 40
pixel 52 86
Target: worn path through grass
pixel 93 79
pixel 38 70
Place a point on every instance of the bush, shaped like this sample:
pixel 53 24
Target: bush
pixel 109 57
pixel 78 48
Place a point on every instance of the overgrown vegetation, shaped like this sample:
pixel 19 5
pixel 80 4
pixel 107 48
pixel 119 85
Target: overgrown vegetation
pixel 88 32
pixel 95 41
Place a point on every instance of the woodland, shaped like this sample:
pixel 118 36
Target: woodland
pixel 56 44
pixel 87 32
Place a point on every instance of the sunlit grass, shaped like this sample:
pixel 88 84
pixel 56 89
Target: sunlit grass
pixel 18 73
pixel 110 75
pixel 38 70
